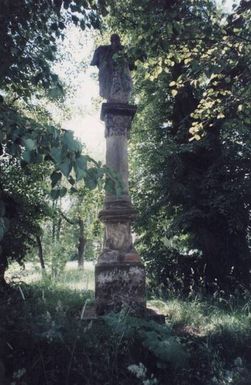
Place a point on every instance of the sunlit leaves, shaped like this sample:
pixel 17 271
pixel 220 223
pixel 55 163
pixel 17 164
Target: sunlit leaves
pixel 191 142
pixel 195 36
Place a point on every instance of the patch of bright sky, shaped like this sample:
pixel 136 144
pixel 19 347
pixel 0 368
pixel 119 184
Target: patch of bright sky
pixel 227 4
pixel 83 99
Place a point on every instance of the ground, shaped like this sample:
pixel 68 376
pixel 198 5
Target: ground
pixel 46 339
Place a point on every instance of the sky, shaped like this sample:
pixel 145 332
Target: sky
pixel 87 125
pixel 83 99
pixel 227 4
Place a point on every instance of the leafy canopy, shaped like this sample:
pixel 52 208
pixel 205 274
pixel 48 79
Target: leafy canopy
pixel 191 145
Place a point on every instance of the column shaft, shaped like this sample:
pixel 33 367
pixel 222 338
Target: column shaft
pixel 119 273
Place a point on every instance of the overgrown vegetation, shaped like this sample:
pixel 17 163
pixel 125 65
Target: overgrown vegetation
pixel 45 339
pixel 191 141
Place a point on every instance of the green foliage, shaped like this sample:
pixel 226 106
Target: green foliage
pixel 23 207
pixel 155 338
pixel 57 258
pixel 30 141
pixel 74 233
pixel 30 34
pixel 44 335
pixel 191 142
pixel 216 328
pixel 140 371
pixel 174 272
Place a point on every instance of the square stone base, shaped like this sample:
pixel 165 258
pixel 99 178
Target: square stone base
pixel 118 286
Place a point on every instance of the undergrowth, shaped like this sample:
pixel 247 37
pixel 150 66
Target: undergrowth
pixel 46 340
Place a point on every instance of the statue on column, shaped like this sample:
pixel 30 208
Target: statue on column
pixel 119 273
pixel 115 83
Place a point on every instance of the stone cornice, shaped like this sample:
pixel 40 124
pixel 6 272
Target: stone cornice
pixel 118 214
pixel 117 109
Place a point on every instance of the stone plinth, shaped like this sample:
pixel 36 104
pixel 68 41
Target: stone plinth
pixel 119 273
pixel 120 286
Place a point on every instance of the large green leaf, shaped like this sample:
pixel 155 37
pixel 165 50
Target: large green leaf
pixel 80 167
pixel 91 178
pixel 56 92
pixel 26 156
pixel 81 162
pixel 30 144
pixel 80 173
pixel 56 154
pixel 66 167
pixel 70 142
pixel 55 193
pixel 55 178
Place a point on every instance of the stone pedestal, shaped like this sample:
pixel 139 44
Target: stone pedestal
pixel 120 286
pixel 119 273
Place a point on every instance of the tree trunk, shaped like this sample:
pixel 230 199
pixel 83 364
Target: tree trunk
pixel 58 228
pixel 81 244
pixel 53 222
pixel 40 253
pixel 81 239
pixel 3 267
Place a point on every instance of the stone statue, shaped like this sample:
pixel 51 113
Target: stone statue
pixel 115 82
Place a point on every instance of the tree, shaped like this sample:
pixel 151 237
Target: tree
pixel 29 33
pixel 26 204
pixel 29 36
pixel 83 216
pixel 40 252
pixel 191 146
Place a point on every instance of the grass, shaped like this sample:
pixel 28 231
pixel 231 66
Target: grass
pixel 46 341
pixel 71 278
pixel 205 316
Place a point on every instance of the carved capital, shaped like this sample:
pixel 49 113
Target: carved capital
pixel 118 118
pixel 117 125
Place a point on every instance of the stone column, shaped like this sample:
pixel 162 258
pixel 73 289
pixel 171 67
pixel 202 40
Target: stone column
pixel 119 273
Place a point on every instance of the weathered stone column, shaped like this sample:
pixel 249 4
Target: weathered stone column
pixel 119 273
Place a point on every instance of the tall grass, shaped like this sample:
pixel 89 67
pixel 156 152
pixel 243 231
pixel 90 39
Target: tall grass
pixel 71 277
pixel 45 336
pixel 206 315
